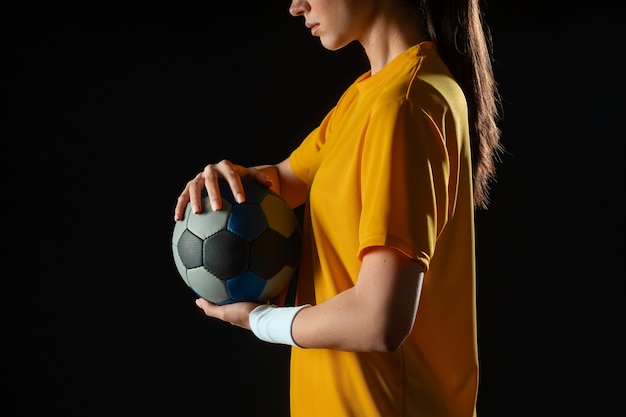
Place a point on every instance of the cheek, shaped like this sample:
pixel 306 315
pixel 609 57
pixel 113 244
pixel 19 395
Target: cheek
pixel 336 32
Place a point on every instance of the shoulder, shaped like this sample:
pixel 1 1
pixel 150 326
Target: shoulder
pixel 418 76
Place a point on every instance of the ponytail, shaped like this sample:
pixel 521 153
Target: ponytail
pixel 464 43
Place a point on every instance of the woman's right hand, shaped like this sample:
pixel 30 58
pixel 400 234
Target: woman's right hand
pixel 208 179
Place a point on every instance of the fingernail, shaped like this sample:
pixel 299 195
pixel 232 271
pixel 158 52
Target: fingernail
pixel 239 198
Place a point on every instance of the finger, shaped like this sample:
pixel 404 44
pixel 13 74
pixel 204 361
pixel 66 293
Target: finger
pixel 210 178
pixel 209 309
pixel 259 176
pixel 181 205
pixel 232 174
pixel 194 188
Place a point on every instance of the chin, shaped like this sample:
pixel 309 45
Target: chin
pixel 332 46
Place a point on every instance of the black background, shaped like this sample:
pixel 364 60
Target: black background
pixel 111 107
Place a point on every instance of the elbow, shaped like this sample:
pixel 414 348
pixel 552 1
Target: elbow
pixel 387 334
pixel 389 340
pixel 392 343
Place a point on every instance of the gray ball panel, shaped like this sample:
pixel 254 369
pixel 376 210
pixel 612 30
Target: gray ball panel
pixel 209 222
pixel 207 286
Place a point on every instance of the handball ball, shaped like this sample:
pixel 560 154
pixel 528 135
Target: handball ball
pixel 243 252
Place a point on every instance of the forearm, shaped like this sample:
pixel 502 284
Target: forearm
pixel 285 182
pixel 271 171
pixel 335 324
pixel 340 323
pixel 377 314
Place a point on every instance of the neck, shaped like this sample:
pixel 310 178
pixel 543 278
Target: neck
pixel 392 33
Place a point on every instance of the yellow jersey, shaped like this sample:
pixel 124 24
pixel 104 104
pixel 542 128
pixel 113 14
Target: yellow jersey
pixel 390 165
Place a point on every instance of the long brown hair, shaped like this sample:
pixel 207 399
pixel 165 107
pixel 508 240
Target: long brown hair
pixel 465 45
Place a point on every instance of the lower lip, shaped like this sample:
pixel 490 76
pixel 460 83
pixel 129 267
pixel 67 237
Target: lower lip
pixel 314 30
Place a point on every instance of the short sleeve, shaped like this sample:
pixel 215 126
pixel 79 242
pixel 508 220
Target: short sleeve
pixel 404 179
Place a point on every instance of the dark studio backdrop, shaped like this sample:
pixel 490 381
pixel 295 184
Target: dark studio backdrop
pixel 111 107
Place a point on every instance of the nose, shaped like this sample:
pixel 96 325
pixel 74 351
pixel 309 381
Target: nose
pixel 299 7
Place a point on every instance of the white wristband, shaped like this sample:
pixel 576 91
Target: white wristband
pixel 273 324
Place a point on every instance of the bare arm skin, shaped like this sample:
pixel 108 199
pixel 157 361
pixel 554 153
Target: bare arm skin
pixel 285 182
pixel 377 314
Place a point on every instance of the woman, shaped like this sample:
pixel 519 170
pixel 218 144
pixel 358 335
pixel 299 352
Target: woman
pixel 384 322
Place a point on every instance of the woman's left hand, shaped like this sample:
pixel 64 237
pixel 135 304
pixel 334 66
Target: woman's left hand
pixel 236 313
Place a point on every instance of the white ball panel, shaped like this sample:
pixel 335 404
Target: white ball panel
pixel 181 226
pixel 207 285
pixel 209 222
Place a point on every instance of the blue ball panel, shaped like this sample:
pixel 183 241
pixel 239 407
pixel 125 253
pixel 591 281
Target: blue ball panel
pixel 255 192
pixel 247 221
pixel 245 287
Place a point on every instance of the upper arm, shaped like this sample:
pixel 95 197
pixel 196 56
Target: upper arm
pixel 390 284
